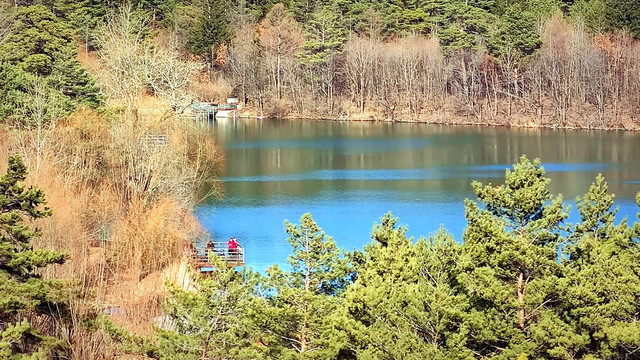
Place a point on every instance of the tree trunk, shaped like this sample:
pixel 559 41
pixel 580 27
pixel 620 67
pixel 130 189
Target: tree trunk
pixel 278 70
pixel 521 292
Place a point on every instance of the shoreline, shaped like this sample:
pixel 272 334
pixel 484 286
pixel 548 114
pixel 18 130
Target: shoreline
pixel 447 123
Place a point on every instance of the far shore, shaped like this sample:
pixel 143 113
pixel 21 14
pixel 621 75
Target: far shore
pixel 456 121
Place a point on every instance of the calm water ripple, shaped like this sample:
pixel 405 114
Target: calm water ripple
pixel 349 174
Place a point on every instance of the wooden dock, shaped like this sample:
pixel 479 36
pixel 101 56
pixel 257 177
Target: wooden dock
pixel 200 257
pixel 209 112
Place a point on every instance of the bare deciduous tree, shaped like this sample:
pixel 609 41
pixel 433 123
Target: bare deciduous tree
pixel 168 75
pixel 37 115
pixel 359 62
pixel 281 37
pixel 123 45
pixel 246 66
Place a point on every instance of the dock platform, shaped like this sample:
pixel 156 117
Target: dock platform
pixel 200 259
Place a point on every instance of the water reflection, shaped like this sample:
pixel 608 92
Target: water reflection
pixel 349 173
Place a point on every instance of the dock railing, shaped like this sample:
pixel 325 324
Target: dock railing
pixel 234 257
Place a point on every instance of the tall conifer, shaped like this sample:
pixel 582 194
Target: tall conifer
pixel 602 286
pixel 23 293
pixel 510 265
pixel 405 302
pixel 297 317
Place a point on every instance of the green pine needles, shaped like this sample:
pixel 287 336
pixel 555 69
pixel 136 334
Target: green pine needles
pixel 40 48
pixel 24 295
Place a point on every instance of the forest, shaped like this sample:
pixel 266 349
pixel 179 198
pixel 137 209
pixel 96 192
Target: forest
pixel 534 63
pixel 100 176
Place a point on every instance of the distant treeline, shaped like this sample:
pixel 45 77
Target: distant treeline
pixel 523 284
pixel 527 62
pixel 522 64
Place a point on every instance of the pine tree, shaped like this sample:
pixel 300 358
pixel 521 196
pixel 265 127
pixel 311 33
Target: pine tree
pixel 325 35
pixel 84 16
pixel 623 14
pixel 302 9
pixel 601 290
pixel 70 78
pixel 637 223
pixel 459 25
pixel 510 267
pixel 297 318
pixel 516 36
pixel 14 84
pixel 210 322
pixel 39 44
pixel 405 303
pixel 260 8
pixel 22 291
pixel 325 39
pixel 34 38
pixel 210 29
pixel 405 17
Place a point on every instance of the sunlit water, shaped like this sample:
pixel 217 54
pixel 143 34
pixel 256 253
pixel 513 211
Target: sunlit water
pixel 350 174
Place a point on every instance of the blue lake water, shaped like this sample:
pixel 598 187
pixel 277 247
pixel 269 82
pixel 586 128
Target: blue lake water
pixel 349 174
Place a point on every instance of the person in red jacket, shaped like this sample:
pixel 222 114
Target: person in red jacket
pixel 232 244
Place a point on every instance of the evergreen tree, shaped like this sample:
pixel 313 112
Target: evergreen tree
pixel 405 303
pixel 459 25
pixel 602 287
pixel 510 267
pixel 22 291
pixel 593 13
pixel 325 35
pixel 209 30
pixel 39 44
pixel 325 39
pixel 516 37
pixel 260 8
pixel 302 9
pixel 14 84
pixel 624 14
pixel 71 79
pixel 597 215
pixel 353 14
pixel 405 17
pixel 297 317
pixel 160 10
pixel 637 223
pixel 84 16
pixel 35 40
pixel 210 322
pixel 608 15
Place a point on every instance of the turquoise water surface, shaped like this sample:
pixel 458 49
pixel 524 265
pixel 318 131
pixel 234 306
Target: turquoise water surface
pixel 350 174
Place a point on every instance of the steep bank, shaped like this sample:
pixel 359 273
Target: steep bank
pixel 122 187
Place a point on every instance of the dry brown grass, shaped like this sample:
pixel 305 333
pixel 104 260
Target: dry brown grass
pixel 88 59
pixel 147 241
pixel 121 208
pixel 205 89
pixel 124 234
pixel 4 151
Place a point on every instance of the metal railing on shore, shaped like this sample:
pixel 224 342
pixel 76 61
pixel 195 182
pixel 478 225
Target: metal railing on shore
pixel 233 257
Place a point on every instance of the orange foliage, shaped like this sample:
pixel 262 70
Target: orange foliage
pixel 221 55
pixel 606 45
